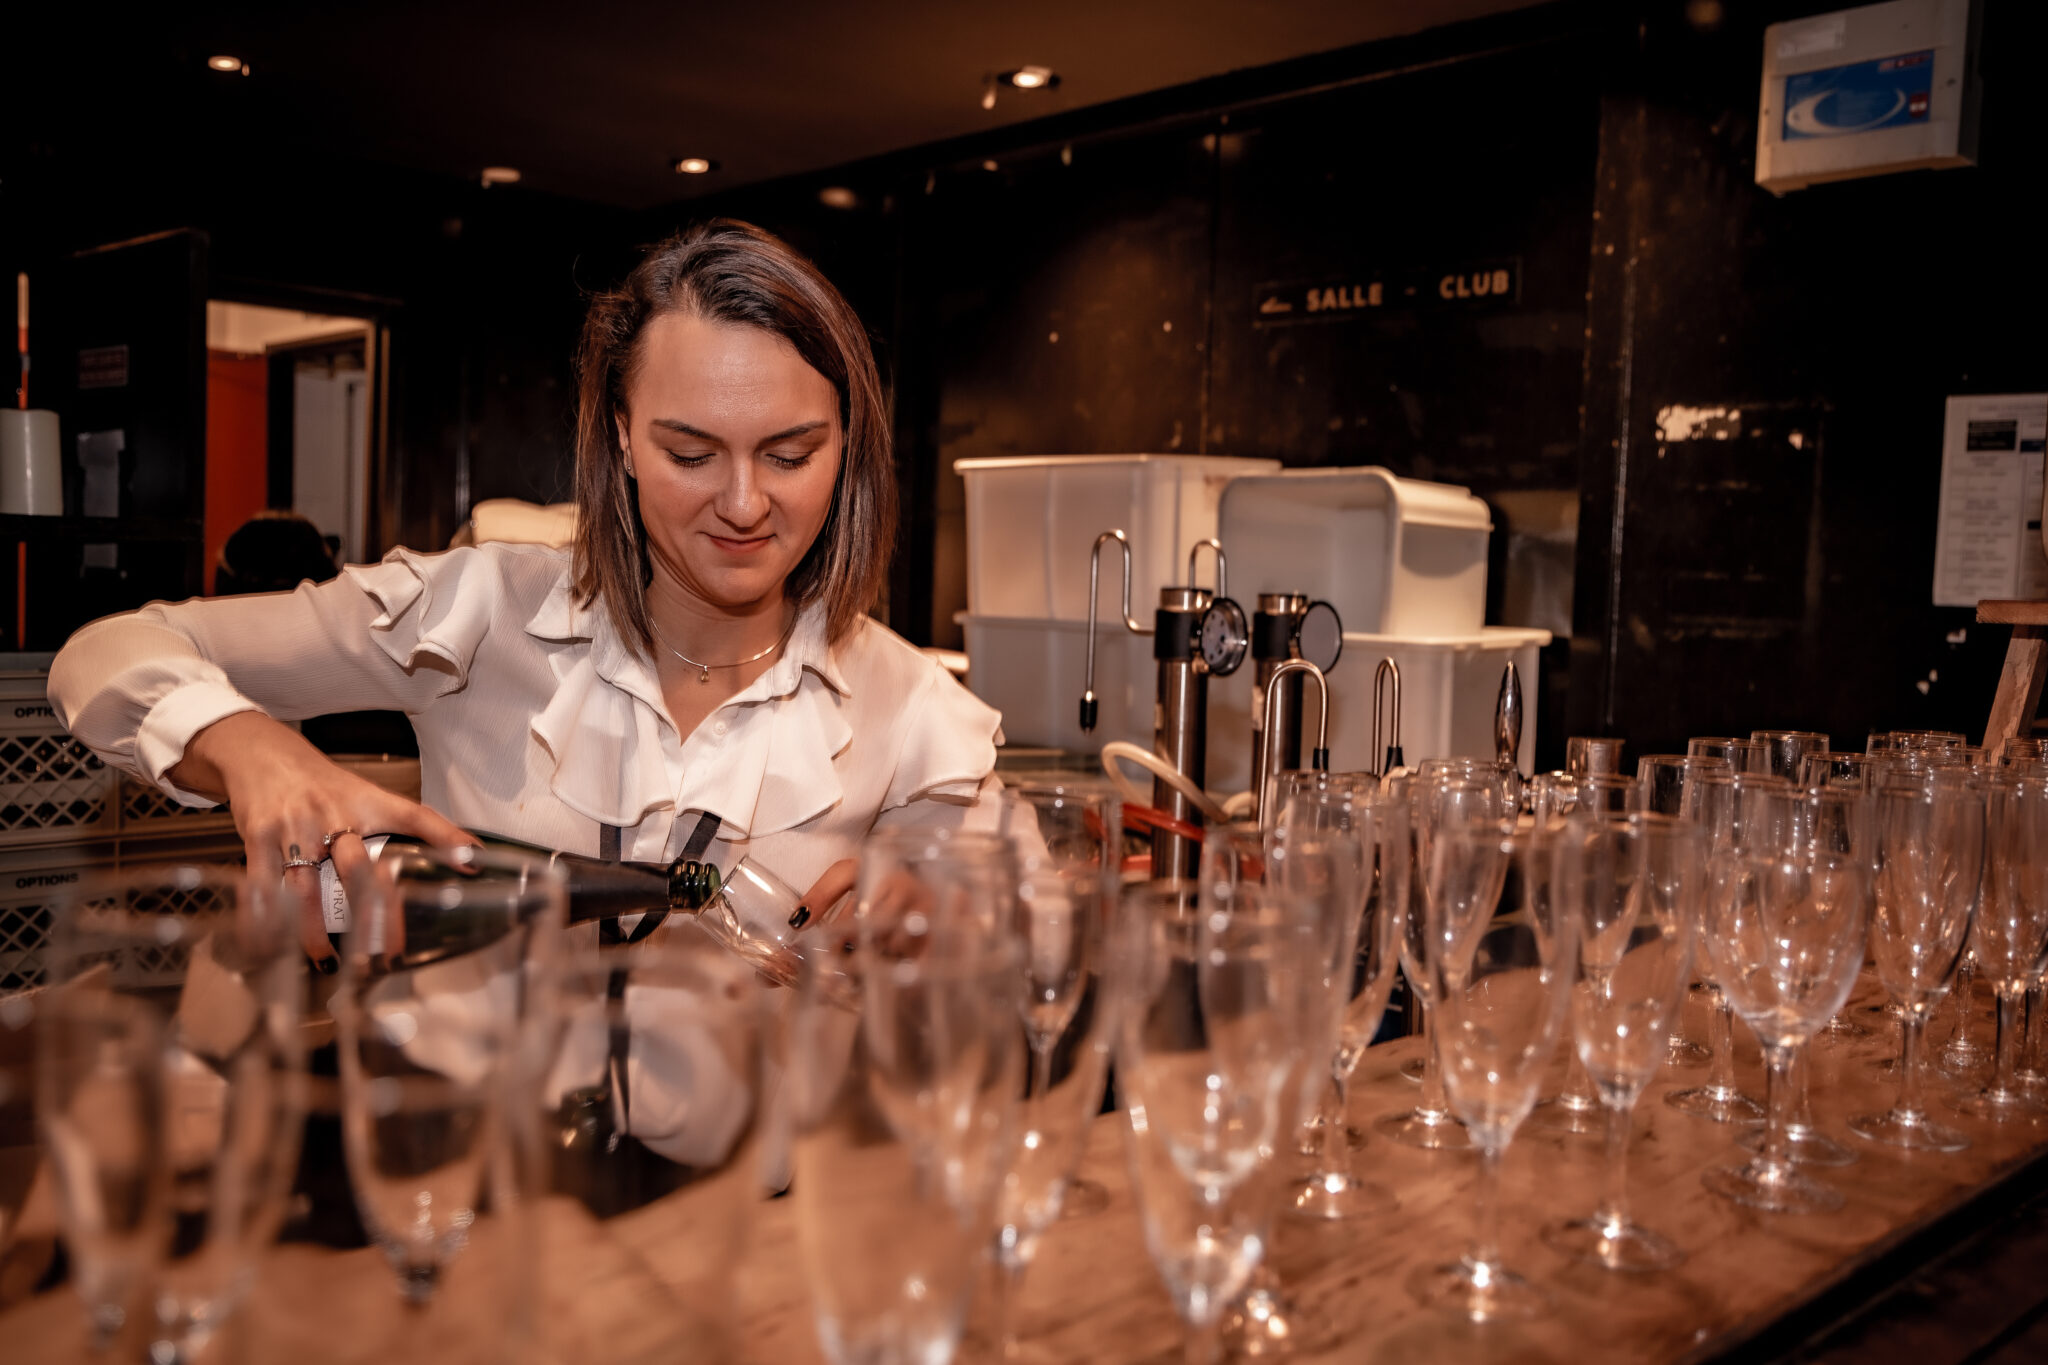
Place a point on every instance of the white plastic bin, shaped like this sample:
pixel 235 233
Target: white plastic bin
pixel 1032 520
pixel 1394 556
pixel 1031 669
pixel 1449 689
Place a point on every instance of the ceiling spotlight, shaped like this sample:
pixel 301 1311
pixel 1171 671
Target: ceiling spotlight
pixel 500 175
pixel 228 64
pixel 1032 78
pixel 695 165
pixel 838 197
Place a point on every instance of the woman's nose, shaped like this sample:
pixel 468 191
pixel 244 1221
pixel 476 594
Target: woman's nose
pixel 740 502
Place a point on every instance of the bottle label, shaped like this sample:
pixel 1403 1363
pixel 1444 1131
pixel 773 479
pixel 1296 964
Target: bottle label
pixel 333 899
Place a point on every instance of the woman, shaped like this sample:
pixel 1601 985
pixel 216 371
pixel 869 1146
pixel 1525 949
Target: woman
pixel 699 664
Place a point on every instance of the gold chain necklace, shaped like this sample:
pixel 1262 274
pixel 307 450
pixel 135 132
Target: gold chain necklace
pixel 704 670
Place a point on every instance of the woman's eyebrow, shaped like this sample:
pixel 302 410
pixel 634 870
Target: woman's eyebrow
pixel 800 429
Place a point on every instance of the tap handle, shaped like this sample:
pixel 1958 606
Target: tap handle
pixel 1507 719
pixel 1088 713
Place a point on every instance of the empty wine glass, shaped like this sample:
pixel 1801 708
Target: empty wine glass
pixel 1364 978
pixel 1784 929
pixel 432 995
pixel 1066 840
pixel 1789 749
pixel 1208 1046
pixel 640 1092
pixel 1433 807
pixel 1588 756
pixel 1930 864
pixel 2010 931
pixel 1502 949
pixel 172 1092
pixel 1636 902
pixel 1710 802
pixel 903 1114
pixel 1660 788
pixel 1742 755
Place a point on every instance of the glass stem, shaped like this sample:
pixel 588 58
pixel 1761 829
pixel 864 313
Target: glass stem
pixel 2009 1033
pixel 2030 1043
pixel 1041 1067
pixel 1578 1092
pixel 1912 1033
pixel 1433 1100
pixel 1777 1153
pixel 1613 1212
pixel 1336 1162
pixel 1966 981
pixel 1721 1037
pixel 1486 1210
pixel 1801 1118
pixel 1204 1345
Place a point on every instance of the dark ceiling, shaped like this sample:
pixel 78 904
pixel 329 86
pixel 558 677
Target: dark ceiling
pixel 594 100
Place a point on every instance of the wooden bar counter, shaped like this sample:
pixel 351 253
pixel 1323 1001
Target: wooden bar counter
pixel 1754 1285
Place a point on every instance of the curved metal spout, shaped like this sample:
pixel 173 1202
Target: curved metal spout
pixel 1222 565
pixel 1319 757
pixel 1088 706
pixel 1388 758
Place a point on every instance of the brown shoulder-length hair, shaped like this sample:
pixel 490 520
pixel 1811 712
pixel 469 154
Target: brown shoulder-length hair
pixel 731 272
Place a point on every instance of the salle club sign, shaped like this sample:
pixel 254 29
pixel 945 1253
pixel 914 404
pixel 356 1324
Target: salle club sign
pixel 1471 285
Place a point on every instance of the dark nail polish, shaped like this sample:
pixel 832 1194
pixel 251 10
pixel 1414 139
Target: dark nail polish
pixel 330 964
pixel 801 917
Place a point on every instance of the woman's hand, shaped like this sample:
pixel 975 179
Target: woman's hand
pixel 288 798
pixel 825 894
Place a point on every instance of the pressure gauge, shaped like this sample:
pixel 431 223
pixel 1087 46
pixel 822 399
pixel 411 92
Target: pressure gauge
pixel 1319 636
pixel 1223 637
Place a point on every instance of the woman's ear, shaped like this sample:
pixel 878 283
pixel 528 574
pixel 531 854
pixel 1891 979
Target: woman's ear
pixel 625 446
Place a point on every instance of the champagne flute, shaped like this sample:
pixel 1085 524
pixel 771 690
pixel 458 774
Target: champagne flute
pixel 903 1110
pixel 433 991
pixel 1588 756
pixel 2011 929
pixel 1660 787
pixel 1501 967
pixel 1784 927
pixel 173 1092
pixel 1710 801
pixel 1066 840
pixel 1636 902
pixel 1208 1046
pixel 1789 749
pixel 1930 851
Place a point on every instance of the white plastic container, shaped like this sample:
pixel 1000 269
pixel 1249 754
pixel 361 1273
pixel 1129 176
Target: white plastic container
pixel 1449 689
pixel 1032 520
pixel 1394 556
pixel 1032 669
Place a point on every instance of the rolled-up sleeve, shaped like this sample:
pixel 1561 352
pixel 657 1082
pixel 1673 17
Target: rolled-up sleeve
pixel 393 636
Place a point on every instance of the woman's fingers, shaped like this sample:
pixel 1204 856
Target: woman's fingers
pixel 825 893
pixel 301 901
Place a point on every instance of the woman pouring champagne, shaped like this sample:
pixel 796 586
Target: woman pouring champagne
pixel 698 669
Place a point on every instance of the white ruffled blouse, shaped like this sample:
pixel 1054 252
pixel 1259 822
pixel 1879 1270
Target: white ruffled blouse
pixel 536 721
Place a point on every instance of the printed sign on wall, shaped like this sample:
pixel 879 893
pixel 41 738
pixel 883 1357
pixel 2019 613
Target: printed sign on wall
pixel 1475 284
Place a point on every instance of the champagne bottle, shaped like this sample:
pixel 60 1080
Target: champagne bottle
pixel 597 889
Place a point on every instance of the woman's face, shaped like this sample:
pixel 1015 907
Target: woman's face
pixel 734 442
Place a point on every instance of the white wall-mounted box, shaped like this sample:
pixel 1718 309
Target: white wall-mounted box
pixel 1867 91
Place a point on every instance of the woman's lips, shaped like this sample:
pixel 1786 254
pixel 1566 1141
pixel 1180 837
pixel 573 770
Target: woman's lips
pixel 742 547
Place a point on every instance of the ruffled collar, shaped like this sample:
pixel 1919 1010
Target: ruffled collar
pixel 618 757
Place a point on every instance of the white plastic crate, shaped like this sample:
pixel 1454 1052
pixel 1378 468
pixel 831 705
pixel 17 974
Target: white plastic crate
pixel 1032 521
pixel 147 810
pixel 52 788
pixel 1449 689
pixel 1032 671
pixel 1394 556
pixel 31 881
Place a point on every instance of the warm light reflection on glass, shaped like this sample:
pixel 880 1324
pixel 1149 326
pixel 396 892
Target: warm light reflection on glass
pixel 694 165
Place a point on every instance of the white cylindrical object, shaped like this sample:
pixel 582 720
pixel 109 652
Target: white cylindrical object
pixel 31 475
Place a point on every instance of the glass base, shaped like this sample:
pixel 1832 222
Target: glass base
pixel 1083 1199
pixel 1563 1115
pixel 1715 1104
pixel 1809 1147
pixel 1411 1070
pixel 1479 1293
pixel 1617 1246
pixel 1960 1060
pixel 1432 1132
pixel 1332 1198
pixel 1843 1028
pixel 2004 1105
pixel 1911 1130
pixel 1266 1323
pixel 1772 1189
pixel 1686 1054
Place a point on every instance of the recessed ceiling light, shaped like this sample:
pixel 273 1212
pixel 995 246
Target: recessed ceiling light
pixel 228 64
pixel 695 165
pixel 500 175
pixel 1032 78
pixel 838 197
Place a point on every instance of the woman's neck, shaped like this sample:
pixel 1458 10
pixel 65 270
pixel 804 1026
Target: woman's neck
pixel 715 635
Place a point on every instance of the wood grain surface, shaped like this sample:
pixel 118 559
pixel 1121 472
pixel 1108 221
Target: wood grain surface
pixel 630 1290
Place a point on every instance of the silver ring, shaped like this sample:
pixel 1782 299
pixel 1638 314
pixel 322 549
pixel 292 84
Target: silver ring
pixel 301 862
pixel 327 842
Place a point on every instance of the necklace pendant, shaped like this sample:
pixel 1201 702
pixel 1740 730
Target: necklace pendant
pixel 703 675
